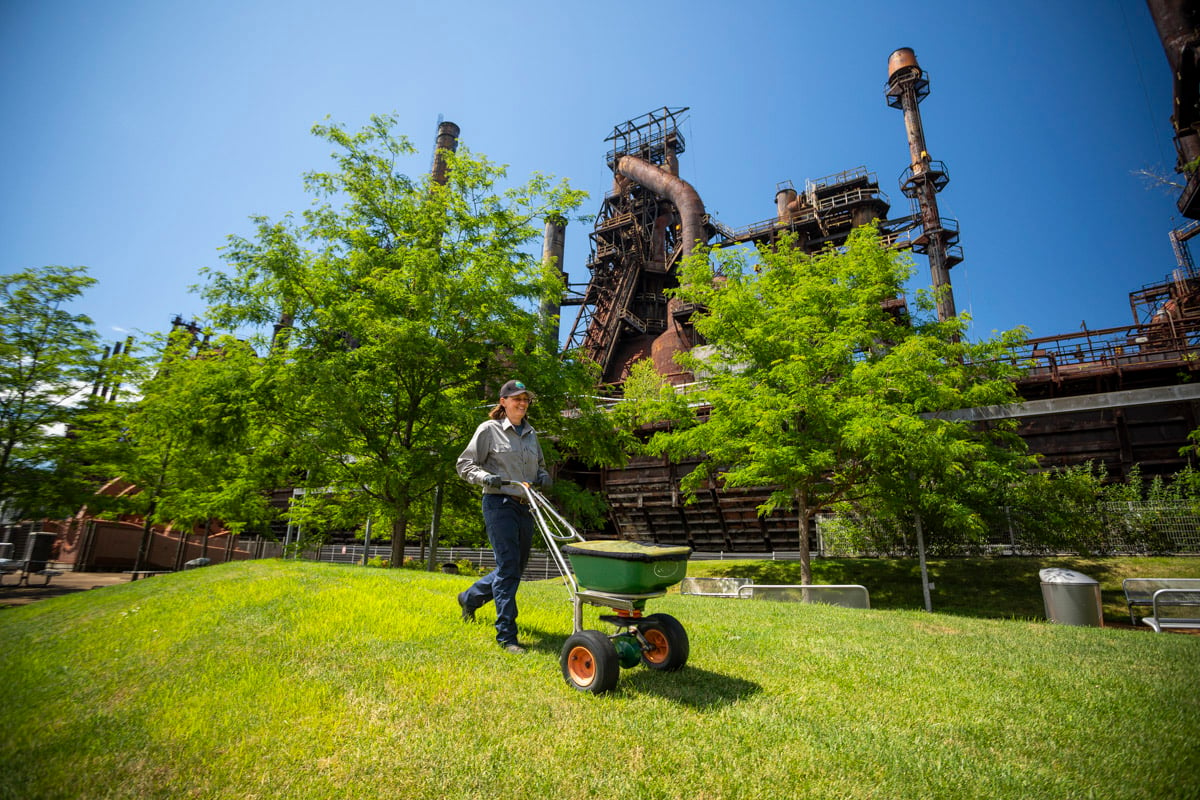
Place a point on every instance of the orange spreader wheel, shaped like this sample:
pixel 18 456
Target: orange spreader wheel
pixel 589 662
pixel 668 642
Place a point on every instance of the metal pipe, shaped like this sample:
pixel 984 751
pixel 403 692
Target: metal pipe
pixel 690 208
pixel 687 201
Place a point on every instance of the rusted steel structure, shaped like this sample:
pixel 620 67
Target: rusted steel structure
pixel 648 222
pixel 1178 24
pixel 907 86
pixel 1120 396
pixel 652 218
pixel 1158 348
pixel 824 214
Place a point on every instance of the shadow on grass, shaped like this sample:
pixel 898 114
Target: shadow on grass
pixel 700 689
pixel 695 688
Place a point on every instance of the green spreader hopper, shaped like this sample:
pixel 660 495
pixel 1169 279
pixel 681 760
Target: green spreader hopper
pixel 627 567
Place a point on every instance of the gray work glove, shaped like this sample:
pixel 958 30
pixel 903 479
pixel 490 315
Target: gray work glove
pixel 493 481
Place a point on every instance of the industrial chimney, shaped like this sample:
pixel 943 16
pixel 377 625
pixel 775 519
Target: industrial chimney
pixel 553 246
pixel 447 141
pixel 907 86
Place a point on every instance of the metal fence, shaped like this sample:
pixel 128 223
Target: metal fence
pixel 540 565
pixel 1137 528
pixel 1115 528
pixel 1127 529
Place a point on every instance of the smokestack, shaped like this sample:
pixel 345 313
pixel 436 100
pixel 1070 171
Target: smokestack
pixel 553 245
pixel 907 86
pixel 286 320
pixel 447 141
pixel 99 382
pixel 113 388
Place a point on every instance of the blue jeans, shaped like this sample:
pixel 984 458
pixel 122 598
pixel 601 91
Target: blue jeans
pixel 510 530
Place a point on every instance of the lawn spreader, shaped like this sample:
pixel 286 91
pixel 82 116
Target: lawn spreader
pixel 620 575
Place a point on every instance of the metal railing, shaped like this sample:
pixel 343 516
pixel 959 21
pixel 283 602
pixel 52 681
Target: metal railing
pixel 1124 347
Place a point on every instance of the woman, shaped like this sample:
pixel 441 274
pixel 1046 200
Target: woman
pixel 504 448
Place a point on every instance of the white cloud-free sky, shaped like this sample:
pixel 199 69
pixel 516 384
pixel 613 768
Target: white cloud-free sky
pixel 139 134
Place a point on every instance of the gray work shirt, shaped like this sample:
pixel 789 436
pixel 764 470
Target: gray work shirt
pixel 499 448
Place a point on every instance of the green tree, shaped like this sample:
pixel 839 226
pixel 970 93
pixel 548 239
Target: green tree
pixel 1060 509
pixel 207 401
pixel 190 438
pixel 406 303
pixel 814 385
pixel 48 361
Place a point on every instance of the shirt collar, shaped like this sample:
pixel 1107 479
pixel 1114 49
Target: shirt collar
pixel 524 428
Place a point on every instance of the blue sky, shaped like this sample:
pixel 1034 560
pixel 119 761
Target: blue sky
pixel 139 135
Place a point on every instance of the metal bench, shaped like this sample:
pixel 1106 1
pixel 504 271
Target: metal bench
pixel 712 587
pixel 134 574
pixel 38 549
pixel 1159 595
pixel 846 595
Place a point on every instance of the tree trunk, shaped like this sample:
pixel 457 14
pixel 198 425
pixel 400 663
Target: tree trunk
pixel 366 542
pixel 143 552
pixel 181 551
pixel 924 568
pixel 434 527
pixel 399 531
pixel 805 515
pixel 204 541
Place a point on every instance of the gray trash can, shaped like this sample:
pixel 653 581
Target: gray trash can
pixel 1072 598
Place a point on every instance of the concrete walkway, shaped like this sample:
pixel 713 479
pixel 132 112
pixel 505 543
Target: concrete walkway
pixel 66 583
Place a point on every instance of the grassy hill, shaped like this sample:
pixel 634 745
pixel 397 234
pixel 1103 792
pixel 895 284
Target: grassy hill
pixel 273 679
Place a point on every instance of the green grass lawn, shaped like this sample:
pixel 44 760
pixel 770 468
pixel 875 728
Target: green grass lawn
pixel 273 679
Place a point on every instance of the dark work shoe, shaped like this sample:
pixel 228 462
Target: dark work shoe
pixel 468 613
pixel 514 648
